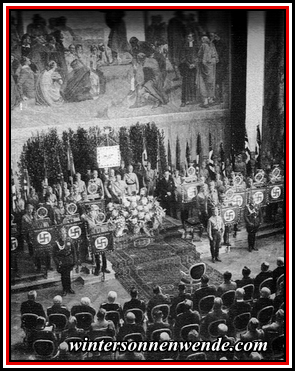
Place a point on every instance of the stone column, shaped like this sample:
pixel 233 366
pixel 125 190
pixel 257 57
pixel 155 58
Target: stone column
pixel 255 75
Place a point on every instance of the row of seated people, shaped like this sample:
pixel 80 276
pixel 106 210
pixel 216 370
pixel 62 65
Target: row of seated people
pixel 261 318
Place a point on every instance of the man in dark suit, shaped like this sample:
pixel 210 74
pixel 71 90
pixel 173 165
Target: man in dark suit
pixel 58 308
pixel 31 306
pixel 239 306
pixel 181 297
pixel 263 275
pixel 246 280
pixel 277 272
pixel 84 306
pixel 205 290
pixel 262 302
pixel 189 316
pixel 253 220
pixel 130 327
pixel 134 302
pixel 157 299
pixel 166 189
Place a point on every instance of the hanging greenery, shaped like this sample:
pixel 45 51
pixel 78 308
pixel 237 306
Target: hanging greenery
pixel 169 155
pixel 177 153
pixel 162 151
pixel 136 142
pixel 125 147
pixel 45 155
pixel 151 137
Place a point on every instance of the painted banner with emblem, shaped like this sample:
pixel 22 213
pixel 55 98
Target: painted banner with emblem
pixel 75 231
pixel 275 193
pixel 259 196
pixel 230 215
pixel 13 237
pixel 239 199
pixel 101 242
pixel 44 238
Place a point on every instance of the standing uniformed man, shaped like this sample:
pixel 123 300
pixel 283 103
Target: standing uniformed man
pixel 253 221
pixel 215 230
pixel 166 189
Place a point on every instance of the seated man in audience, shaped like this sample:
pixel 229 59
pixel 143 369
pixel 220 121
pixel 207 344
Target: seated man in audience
pixel 253 331
pixel 246 280
pixel 227 285
pixel 181 297
pixel 277 272
pixel 58 308
pixel 193 336
pixel 156 325
pixel 102 326
pixel 215 314
pixel 111 304
pixel 157 299
pixel 222 333
pixel 263 275
pixel 278 325
pixel 31 306
pixel 239 306
pixel 189 316
pixel 42 331
pixel 262 302
pixel 130 355
pixel 84 306
pixel 280 297
pixel 205 290
pixel 134 302
pixel 72 330
pixel 130 327
pixel 158 355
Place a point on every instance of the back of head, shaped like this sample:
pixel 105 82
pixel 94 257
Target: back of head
pixel 112 296
pixel 57 300
pixel 255 356
pixel 264 266
pixel 253 324
pixel 164 336
pixel 32 295
pixel 280 315
pixel 130 318
pixel 227 276
pixel 193 335
pixel 222 329
pixel 204 279
pixel 101 313
pixel 246 271
pixel 217 304
pixel 72 322
pixel 265 292
pixel 280 261
pixel 133 293
pixel 156 290
pixel 158 314
pixel 86 301
pixel 239 294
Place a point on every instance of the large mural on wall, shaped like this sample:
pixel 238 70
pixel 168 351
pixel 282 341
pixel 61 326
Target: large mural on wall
pixel 75 66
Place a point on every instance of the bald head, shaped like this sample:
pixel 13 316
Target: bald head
pixel 265 292
pixel 130 317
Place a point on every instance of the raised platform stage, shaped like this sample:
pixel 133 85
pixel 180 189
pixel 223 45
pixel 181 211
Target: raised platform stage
pixel 161 262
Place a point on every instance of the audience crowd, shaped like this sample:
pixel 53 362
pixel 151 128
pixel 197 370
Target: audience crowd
pixel 249 309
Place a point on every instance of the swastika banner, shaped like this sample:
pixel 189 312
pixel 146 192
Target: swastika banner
pixel 101 242
pixel 259 195
pixel 275 193
pixel 75 230
pixel 230 215
pixel 43 238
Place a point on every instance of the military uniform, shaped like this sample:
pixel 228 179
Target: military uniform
pixel 253 221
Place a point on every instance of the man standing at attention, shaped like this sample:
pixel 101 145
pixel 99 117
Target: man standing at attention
pixel 253 221
pixel 215 232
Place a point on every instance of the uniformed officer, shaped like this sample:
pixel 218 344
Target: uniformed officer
pixel 253 221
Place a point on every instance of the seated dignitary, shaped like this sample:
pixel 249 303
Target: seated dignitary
pixel 84 306
pixel 31 306
pixel 57 307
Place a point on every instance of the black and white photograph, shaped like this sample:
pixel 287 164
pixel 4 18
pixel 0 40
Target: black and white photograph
pixel 147 185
